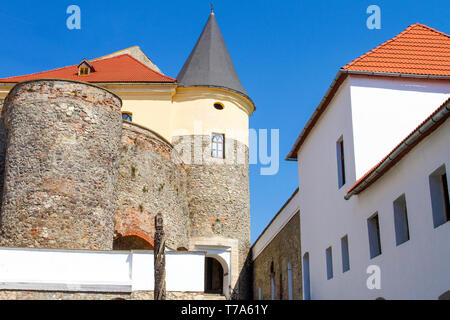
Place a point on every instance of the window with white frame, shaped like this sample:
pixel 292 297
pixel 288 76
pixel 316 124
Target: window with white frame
pixel 218 145
pixel 439 196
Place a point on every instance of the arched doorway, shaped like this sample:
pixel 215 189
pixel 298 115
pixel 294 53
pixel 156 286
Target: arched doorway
pixel 213 276
pixel 131 242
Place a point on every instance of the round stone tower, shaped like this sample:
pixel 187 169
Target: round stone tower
pixel 210 132
pixel 61 167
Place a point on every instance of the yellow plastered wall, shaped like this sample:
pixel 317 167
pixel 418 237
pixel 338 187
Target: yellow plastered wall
pixel 193 113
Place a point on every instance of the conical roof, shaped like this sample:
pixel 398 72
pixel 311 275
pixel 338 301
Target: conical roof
pixel 210 64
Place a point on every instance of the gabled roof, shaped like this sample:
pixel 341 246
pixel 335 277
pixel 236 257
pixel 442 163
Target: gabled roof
pixel 209 63
pixel 417 52
pixel 137 53
pixel 118 69
pixel 430 124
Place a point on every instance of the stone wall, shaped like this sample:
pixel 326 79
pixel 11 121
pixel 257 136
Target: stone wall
pixel 62 165
pixel 283 249
pixel 152 179
pixel 3 141
pixel 218 195
pixel 137 295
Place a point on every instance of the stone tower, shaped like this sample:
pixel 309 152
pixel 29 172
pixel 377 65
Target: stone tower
pixel 61 167
pixel 214 108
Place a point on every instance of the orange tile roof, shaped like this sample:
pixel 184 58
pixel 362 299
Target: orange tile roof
pixel 417 50
pixel 119 69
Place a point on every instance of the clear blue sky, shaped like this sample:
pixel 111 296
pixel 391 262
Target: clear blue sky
pixel 286 53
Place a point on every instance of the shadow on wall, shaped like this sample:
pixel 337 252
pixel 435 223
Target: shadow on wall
pixel 244 285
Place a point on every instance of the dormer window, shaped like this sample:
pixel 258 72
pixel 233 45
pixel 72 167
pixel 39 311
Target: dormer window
pixel 85 68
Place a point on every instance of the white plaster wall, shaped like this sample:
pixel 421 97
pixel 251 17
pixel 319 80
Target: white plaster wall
pixel 325 215
pixel 108 271
pixel 418 268
pixel 386 110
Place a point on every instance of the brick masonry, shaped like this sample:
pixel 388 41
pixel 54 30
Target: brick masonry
pixel 62 165
pixel 283 249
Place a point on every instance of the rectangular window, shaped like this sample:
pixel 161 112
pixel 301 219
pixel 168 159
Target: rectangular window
pixel 439 196
pixel 401 220
pixel 306 286
pixel 289 270
pixel 329 258
pixel 218 145
pixel 345 254
pixel 259 293
pixel 374 236
pixel 340 161
pixel 272 287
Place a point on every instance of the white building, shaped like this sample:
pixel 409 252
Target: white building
pixel 373 162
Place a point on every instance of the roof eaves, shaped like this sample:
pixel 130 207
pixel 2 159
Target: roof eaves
pixel 292 156
pixel 429 125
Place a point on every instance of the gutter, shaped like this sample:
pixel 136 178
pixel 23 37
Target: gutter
pixel 421 132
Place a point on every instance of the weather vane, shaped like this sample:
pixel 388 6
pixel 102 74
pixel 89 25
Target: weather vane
pixel 212 7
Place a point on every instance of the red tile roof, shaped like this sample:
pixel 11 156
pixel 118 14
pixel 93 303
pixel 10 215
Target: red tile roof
pixel 417 50
pixel 119 69
pixel 417 135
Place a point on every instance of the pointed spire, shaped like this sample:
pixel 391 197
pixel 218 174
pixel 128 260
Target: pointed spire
pixel 209 63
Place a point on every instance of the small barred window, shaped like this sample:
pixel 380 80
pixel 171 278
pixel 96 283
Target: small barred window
pixel 128 116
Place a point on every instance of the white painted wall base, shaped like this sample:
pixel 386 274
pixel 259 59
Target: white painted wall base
pixel 97 271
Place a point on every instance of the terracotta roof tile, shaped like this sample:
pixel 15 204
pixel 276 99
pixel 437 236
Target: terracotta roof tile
pixel 417 50
pixel 119 69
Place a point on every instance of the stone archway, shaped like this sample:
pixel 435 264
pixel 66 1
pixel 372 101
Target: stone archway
pixel 213 276
pixel 131 242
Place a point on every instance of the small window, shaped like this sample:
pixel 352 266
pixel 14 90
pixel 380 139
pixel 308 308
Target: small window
pixel 374 236
pixel 306 282
pixel 340 161
pixel 345 254
pixel 218 106
pixel 128 116
pixel 329 260
pixel 439 197
pixel 84 71
pixel 218 146
pixel 259 294
pixel 290 284
pixel 401 220
pixel 272 287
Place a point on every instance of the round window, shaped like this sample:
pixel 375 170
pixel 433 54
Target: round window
pixel 218 106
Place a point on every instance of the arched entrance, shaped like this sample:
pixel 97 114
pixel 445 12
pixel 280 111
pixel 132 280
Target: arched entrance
pixel 131 242
pixel 213 276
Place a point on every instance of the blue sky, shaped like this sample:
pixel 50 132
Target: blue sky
pixel 286 53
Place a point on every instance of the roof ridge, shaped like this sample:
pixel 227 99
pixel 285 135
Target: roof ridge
pixel 143 64
pixel 407 30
